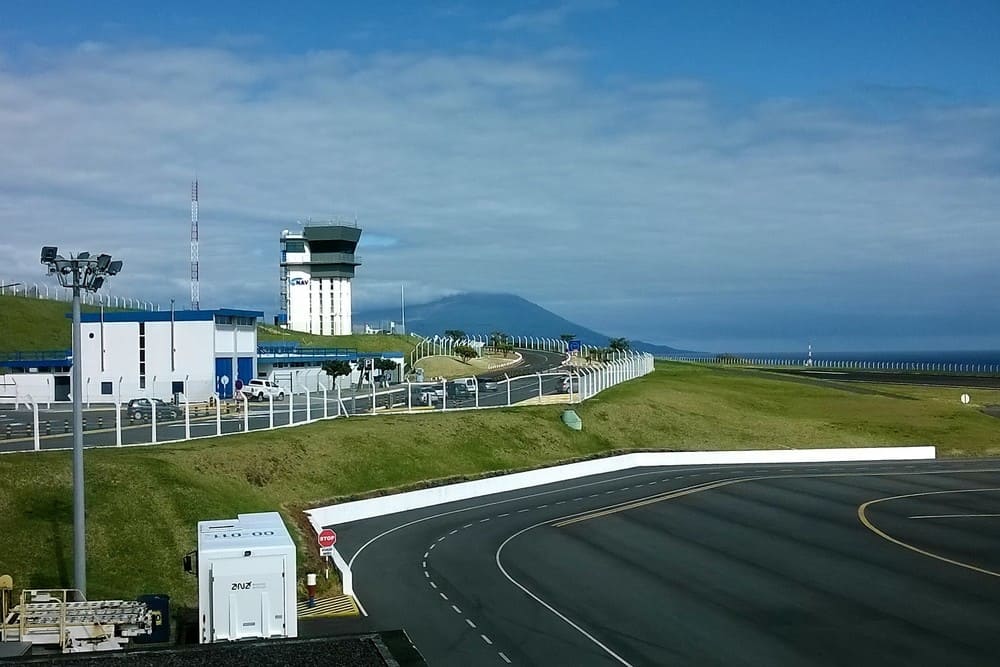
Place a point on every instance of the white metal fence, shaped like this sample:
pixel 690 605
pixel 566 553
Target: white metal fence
pixel 835 364
pixel 28 428
pixel 59 293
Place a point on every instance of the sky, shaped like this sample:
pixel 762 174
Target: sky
pixel 722 176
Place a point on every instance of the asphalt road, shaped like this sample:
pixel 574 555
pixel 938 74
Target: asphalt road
pixel 55 424
pixel 735 565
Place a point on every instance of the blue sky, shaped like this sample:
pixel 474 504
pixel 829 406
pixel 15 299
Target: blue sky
pixel 712 175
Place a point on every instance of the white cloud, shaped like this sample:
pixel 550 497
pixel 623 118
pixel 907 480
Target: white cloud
pixel 493 174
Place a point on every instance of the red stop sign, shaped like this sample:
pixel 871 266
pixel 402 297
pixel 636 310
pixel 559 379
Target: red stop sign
pixel 327 538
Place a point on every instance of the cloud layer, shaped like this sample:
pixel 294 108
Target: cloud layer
pixel 646 209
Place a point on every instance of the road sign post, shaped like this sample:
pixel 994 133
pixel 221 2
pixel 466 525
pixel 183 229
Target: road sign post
pixel 326 538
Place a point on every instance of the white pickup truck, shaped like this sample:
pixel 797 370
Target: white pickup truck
pixel 259 389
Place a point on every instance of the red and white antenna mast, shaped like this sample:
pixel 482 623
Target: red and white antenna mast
pixel 195 289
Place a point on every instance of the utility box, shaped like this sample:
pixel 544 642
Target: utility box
pixel 246 579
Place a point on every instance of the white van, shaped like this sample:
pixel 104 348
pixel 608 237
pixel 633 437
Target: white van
pixel 470 383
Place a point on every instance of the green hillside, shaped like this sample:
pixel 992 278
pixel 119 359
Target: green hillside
pixel 28 324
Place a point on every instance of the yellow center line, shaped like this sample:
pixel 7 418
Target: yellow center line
pixel 669 495
pixel 863 517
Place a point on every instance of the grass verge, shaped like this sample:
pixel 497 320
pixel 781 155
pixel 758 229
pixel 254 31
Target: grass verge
pixel 143 503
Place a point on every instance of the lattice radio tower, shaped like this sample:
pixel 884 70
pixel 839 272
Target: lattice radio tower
pixel 195 289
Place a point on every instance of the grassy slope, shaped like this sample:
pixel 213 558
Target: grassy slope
pixel 362 343
pixel 143 503
pixel 454 367
pixel 39 324
pixel 28 324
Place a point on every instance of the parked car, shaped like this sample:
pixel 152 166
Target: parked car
pixel 468 383
pixel 459 390
pixel 142 408
pixel 429 394
pixel 570 383
pixel 259 389
pixel 488 384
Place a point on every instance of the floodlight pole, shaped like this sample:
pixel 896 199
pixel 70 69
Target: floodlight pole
pixel 79 523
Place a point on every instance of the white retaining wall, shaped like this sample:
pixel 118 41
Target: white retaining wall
pixel 334 515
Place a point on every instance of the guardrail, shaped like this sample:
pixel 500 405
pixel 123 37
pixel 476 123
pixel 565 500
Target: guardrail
pixel 837 364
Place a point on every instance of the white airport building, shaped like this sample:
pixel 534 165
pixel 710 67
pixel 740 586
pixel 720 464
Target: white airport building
pixel 317 266
pixel 132 354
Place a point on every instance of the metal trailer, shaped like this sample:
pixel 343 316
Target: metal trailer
pixel 246 579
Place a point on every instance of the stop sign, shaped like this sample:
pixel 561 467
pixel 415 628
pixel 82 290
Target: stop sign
pixel 327 538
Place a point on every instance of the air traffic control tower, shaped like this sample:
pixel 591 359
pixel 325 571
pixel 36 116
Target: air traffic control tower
pixel 317 266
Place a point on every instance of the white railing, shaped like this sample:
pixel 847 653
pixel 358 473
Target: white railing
pixel 837 364
pixel 58 293
pixel 328 400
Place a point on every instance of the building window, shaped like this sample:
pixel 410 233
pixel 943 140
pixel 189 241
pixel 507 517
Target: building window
pixel 106 388
pixel 177 387
pixel 142 382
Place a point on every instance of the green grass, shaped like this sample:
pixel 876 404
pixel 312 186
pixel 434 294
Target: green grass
pixel 29 324
pixel 454 367
pixel 360 342
pixel 143 503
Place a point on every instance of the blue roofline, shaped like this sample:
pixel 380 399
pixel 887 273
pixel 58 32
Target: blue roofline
pixel 165 315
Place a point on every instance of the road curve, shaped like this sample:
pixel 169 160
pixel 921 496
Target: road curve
pixel 708 565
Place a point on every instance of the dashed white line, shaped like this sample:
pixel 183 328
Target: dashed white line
pixel 426 554
pixel 484 520
pixel 607 492
pixel 578 499
pixel 443 596
pixel 486 639
pixel 427 574
pixel 451 533
pixel 440 538
pixel 541 507
pixel 505 658
pixel 526 509
pixel 432 546
pixel 433 585
pixel 469 621
pixel 423 564
pixel 504 514
pixel 626 488
pixel 593 495
pixel 468 525
pixel 561 502
pixel 457 610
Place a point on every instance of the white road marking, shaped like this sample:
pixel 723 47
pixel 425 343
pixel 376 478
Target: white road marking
pixel 457 610
pixel 427 574
pixel 433 585
pixel 486 639
pixel 541 507
pixel 426 554
pixel 484 520
pixel 423 564
pixel 505 658
pixel 578 499
pixel 443 596
pixel 469 621
pixel 561 502
pixel 526 509
pixel 450 533
pixel 504 514
pixel 432 546
pixel 441 538
pixel 468 525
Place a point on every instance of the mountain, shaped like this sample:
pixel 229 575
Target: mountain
pixel 484 313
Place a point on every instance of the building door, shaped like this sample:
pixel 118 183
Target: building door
pixel 61 388
pixel 224 379
pixel 244 369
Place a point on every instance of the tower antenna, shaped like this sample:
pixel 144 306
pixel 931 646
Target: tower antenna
pixel 195 288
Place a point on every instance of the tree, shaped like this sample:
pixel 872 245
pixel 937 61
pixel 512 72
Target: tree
pixel 567 337
pixel 455 334
pixel 466 352
pixel 619 344
pixel 337 368
pixel 386 366
pixel 498 338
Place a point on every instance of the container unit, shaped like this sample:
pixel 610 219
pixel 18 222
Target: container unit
pixel 246 579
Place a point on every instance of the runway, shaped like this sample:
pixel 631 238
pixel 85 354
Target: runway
pixel 860 564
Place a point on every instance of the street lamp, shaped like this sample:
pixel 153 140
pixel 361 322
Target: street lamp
pixel 87 273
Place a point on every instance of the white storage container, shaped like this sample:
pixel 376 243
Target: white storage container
pixel 246 579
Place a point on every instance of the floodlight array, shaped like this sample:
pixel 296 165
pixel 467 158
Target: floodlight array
pixel 83 271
